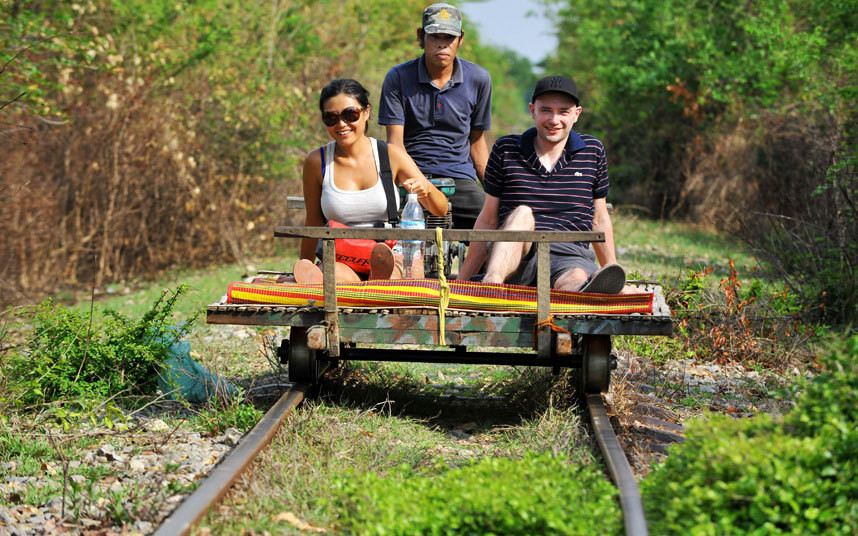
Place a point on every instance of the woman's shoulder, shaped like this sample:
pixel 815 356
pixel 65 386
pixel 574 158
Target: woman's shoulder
pixel 314 156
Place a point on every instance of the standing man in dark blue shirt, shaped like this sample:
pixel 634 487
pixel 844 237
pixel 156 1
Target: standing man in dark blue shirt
pixel 550 178
pixel 438 107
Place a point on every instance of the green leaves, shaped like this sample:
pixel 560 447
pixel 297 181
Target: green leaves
pixel 538 494
pixel 759 476
pixel 70 355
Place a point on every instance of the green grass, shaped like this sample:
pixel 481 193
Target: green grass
pixel 206 286
pixel 324 439
pixel 665 249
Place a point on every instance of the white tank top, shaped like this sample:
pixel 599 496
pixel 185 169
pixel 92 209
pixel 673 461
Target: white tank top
pixel 353 207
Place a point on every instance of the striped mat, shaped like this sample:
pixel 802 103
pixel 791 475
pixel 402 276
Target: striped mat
pixel 424 293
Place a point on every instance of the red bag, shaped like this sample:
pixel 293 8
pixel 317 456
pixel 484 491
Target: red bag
pixel 355 252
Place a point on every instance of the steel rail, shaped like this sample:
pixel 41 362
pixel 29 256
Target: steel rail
pixel 215 486
pixel 618 466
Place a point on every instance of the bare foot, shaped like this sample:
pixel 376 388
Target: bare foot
pixel 307 273
pixel 381 262
pixel 630 289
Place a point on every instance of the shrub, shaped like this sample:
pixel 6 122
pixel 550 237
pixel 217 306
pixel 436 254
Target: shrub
pixel 816 249
pixel 538 494
pixel 748 321
pixel 763 477
pixel 70 354
pixel 169 131
pixel 667 83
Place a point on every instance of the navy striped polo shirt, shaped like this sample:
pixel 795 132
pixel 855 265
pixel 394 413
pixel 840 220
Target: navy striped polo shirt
pixel 561 199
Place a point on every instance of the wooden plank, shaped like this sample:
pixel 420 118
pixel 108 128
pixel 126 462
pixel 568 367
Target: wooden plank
pixel 295 203
pixel 329 252
pixel 543 298
pixel 460 235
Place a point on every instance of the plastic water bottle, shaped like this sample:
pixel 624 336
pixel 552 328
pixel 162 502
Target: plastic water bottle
pixel 412 250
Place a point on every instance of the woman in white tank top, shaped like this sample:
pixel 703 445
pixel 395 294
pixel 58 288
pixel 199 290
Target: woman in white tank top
pixel 342 180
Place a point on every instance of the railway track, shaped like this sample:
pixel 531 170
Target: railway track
pixel 224 475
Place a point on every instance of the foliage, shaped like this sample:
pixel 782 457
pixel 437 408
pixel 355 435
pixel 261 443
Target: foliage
pixel 538 494
pixel 667 83
pixel 734 321
pixel 829 405
pixel 70 354
pixel 240 415
pixel 759 476
pixel 817 250
pixel 153 133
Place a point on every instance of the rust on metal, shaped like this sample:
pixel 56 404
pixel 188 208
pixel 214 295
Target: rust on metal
pixel 215 486
pixel 317 338
pixel 563 344
pixel 619 468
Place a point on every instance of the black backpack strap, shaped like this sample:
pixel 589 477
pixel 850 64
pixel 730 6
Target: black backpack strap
pixel 386 178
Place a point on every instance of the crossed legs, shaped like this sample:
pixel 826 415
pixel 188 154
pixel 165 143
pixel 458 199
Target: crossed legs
pixel 382 265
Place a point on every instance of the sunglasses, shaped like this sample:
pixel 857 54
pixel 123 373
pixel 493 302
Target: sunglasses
pixel 349 115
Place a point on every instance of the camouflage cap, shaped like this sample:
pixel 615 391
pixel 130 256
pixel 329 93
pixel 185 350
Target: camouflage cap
pixel 442 18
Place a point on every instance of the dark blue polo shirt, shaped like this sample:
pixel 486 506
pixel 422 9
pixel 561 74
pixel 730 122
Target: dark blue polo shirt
pixel 438 121
pixel 561 199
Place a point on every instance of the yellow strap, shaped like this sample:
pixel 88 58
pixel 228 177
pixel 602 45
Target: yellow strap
pixel 443 287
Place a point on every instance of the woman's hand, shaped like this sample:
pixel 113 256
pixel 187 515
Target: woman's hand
pixel 419 185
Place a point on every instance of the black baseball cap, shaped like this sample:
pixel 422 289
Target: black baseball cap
pixel 556 84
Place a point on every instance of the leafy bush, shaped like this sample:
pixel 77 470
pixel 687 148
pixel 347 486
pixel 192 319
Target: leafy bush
pixel 70 354
pixel 538 494
pixel 759 476
pixel 666 80
pixel 815 249
pixel 168 127
pixel 735 319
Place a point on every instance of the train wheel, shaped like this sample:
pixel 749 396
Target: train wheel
pixel 303 365
pixel 596 366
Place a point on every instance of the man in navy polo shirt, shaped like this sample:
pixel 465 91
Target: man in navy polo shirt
pixel 554 179
pixel 438 107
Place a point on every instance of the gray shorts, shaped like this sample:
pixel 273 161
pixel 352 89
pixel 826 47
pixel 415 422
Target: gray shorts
pixel 564 257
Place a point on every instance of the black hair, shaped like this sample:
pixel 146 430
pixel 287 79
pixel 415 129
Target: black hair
pixel 350 87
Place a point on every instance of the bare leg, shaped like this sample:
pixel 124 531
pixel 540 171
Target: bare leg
pixel 345 274
pixel 307 273
pixel 572 280
pixel 506 256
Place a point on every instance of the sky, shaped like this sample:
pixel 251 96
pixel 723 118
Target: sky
pixel 504 23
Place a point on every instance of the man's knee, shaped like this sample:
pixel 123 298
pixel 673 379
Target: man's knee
pixel 571 280
pixel 521 218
